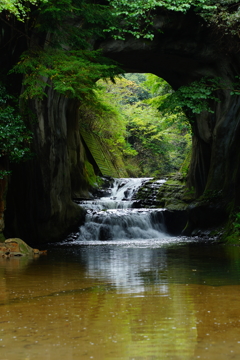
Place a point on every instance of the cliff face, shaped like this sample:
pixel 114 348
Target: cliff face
pixel 184 51
pixel 39 202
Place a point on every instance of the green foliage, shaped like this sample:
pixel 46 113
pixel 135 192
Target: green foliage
pixel 4 173
pixel 20 9
pixel 157 86
pixel 232 229
pixel 194 97
pixel 236 222
pixel 225 17
pixel 126 90
pixel 72 73
pixel 100 116
pixel 66 60
pixel 147 137
pixel 14 135
pixel 73 22
pixel 158 143
pixel 184 169
pixel 197 97
pixel 135 17
pixel 136 77
pixel 90 174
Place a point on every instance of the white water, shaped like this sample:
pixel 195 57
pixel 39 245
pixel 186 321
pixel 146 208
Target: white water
pixel 121 195
pixel 113 218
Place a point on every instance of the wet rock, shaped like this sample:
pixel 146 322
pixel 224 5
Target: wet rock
pixel 17 247
pixel 168 195
pixel 147 195
pixel 127 193
pixel 3 251
pixel 175 221
pixel 104 233
pixel 204 216
pixel 105 189
pixel 102 193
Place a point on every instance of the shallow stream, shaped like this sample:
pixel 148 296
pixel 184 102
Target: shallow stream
pixel 131 298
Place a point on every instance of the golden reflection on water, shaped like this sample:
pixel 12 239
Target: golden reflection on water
pixel 57 310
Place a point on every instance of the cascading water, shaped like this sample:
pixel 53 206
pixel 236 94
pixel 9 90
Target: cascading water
pixel 119 197
pixel 114 217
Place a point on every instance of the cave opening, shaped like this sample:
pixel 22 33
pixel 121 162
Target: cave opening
pixel 127 120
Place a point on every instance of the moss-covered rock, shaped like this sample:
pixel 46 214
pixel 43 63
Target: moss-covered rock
pixel 172 194
pixel 167 195
pixel 231 230
pixel 146 195
pixel 17 247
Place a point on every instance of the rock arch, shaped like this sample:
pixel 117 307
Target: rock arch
pixel 184 50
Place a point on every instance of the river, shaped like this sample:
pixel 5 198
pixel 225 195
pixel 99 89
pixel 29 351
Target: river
pixel 129 297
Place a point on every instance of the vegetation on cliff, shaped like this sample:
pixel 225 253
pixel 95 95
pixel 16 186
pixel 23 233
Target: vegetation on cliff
pixel 14 135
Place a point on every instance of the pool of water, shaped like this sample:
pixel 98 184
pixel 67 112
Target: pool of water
pixel 173 298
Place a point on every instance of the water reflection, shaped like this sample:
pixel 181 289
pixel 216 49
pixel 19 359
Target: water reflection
pixel 114 302
pixel 11 266
pixel 127 276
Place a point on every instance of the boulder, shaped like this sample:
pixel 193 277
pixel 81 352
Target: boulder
pixel 17 247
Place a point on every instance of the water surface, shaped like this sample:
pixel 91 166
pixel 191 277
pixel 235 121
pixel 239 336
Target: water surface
pixel 165 299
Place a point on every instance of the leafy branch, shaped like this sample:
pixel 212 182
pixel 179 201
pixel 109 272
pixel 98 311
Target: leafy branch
pixel 72 73
pixel 135 17
pixel 195 97
pixel 20 9
pixel 198 95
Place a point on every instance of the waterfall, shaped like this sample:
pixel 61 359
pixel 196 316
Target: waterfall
pixel 113 217
pixel 120 195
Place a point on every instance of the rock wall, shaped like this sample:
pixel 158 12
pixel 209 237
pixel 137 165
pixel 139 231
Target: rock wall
pixel 39 202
